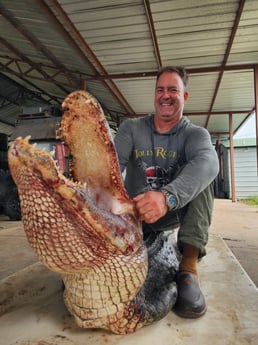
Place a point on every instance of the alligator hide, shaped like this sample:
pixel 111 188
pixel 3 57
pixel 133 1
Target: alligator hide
pixel 86 228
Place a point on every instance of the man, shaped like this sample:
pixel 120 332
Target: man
pixel 170 166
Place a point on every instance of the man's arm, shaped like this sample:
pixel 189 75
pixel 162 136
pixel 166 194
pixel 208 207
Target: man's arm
pixel 200 170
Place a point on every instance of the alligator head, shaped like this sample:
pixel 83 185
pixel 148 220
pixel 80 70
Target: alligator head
pixel 86 228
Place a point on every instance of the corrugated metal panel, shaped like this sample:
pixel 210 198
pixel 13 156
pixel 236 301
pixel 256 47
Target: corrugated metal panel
pixel 184 29
pixel 142 102
pixel 197 120
pixel 100 92
pixel 236 91
pixel 200 88
pixel 241 142
pixel 220 123
pixel 9 113
pixel 117 32
pixel 245 44
pixel 34 20
pixel 190 33
pixel 4 128
pixel 193 33
pixel 246 179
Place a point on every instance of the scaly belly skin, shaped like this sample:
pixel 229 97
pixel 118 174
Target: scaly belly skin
pixel 86 228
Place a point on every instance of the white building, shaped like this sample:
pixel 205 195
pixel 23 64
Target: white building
pixel 245 169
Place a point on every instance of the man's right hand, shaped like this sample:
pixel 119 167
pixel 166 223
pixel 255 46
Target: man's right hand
pixel 151 206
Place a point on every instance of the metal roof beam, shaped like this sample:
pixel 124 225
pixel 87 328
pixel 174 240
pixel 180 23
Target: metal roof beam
pixel 240 112
pixel 226 55
pixel 205 113
pixel 256 109
pixel 23 72
pixel 33 40
pixel 38 95
pixel 152 32
pixel 32 65
pixel 190 71
pixel 94 63
pixel 143 74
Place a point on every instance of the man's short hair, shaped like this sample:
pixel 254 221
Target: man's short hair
pixel 174 69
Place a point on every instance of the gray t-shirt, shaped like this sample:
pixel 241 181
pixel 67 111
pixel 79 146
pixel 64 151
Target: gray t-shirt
pixel 182 160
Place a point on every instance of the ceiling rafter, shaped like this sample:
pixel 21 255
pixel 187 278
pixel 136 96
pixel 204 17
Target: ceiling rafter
pixel 41 91
pixel 200 113
pixel 145 74
pixel 6 100
pixel 226 55
pixel 131 75
pixel 104 62
pixel 5 122
pixel 33 40
pixel 7 68
pixel 32 66
pixel 205 113
pixel 17 97
pixel 26 70
pixel 96 66
pixel 152 32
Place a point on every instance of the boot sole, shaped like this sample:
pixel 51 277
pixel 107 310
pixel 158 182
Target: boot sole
pixel 187 314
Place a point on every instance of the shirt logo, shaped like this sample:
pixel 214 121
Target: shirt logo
pixel 159 152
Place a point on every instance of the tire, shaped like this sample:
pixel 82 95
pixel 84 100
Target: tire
pixel 3 184
pixel 12 207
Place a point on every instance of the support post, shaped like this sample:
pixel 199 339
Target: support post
pixel 232 161
pixel 83 84
pixel 256 109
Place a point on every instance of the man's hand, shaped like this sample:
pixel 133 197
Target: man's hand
pixel 151 206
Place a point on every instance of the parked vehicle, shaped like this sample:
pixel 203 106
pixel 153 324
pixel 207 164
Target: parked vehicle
pixel 41 124
pixel 9 198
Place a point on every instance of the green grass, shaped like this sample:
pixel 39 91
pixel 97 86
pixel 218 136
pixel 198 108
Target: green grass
pixel 252 201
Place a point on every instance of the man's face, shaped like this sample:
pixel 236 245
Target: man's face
pixel 170 97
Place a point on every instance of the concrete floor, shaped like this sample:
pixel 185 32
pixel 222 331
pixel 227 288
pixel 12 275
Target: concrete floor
pixel 33 313
pixel 237 224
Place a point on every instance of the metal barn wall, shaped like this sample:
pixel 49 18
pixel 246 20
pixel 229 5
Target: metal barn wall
pixel 246 179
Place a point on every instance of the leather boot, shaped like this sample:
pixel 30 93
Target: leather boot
pixel 190 302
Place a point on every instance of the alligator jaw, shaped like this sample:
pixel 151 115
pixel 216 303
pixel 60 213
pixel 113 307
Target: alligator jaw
pixel 34 169
pixel 87 228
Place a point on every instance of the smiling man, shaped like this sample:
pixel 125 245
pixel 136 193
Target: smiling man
pixel 170 167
